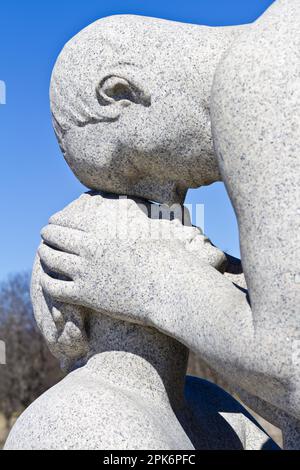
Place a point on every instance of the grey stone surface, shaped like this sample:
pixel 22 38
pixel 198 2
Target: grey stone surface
pixel 139 413
pixel 141 125
pixel 132 115
pixel 256 128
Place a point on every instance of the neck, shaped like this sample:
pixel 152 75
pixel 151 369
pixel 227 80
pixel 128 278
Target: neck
pixel 137 358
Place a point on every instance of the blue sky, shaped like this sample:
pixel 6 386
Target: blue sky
pixel 35 181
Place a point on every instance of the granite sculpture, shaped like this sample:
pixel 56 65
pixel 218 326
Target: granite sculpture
pixel 135 118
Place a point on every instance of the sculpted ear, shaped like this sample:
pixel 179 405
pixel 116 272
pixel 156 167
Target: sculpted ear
pixel 118 91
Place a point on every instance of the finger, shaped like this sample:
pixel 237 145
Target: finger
pixel 57 315
pixel 63 238
pixel 72 241
pixel 59 262
pixel 63 291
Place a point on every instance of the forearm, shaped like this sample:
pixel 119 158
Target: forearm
pixel 206 312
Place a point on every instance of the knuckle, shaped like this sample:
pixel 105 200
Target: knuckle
pixel 44 230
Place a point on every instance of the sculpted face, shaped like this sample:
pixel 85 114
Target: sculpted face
pixel 130 104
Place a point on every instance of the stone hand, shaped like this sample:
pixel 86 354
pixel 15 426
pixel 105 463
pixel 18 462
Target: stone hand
pixel 60 323
pixel 113 272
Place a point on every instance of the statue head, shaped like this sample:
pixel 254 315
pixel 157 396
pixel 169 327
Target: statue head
pixel 130 104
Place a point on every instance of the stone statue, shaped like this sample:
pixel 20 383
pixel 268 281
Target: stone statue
pixel 134 117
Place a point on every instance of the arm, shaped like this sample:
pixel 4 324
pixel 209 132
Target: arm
pixel 255 115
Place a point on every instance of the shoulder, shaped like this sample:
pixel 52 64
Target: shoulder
pixel 85 412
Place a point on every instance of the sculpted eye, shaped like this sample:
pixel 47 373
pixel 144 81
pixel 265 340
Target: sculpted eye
pixel 117 89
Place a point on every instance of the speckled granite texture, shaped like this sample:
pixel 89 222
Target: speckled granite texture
pixel 256 128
